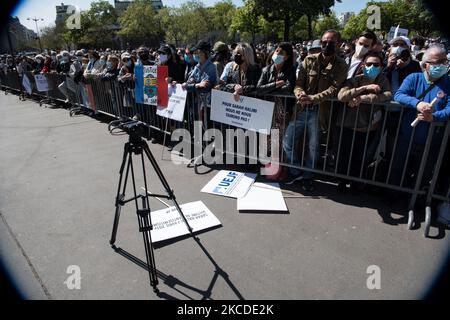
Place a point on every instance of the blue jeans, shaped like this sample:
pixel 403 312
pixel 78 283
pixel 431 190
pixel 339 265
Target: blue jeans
pixel 306 120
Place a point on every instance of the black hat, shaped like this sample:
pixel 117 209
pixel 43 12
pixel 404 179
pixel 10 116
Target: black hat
pixel 203 46
pixel 165 49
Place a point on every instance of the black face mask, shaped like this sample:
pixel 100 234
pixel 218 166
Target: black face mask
pixel 238 59
pixel 329 49
pixel 144 56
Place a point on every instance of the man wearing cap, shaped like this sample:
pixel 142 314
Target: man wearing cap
pixel 399 65
pixel 435 70
pixel 316 47
pixel 167 57
pixel 201 80
pixel 204 76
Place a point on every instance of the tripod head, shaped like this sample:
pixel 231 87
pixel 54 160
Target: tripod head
pixel 133 127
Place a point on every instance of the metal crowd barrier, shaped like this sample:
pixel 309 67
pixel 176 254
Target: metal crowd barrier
pixel 380 157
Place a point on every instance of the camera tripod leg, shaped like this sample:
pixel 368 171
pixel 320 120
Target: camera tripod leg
pixel 121 196
pixel 165 184
pixel 145 227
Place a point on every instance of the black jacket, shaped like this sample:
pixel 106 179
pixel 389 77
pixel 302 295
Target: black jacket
pixel 269 77
pixel 252 76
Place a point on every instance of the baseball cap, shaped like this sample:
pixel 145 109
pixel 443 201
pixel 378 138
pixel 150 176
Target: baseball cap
pixel 402 38
pixel 202 45
pixel 219 46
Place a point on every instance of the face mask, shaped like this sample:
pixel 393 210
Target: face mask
pixel 238 60
pixel 187 58
pixel 435 72
pixel 109 65
pixel 80 59
pixel 196 58
pixel 163 58
pixel 329 50
pixel 278 59
pixel 129 64
pixel 397 50
pixel 360 51
pixel 102 62
pixel 372 72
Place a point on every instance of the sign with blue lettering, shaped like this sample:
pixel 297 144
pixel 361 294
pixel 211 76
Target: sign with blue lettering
pixel 230 184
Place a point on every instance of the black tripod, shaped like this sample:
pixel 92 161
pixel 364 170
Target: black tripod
pixel 136 145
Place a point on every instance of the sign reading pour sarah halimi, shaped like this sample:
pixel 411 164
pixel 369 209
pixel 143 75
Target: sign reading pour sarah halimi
pixel 168 223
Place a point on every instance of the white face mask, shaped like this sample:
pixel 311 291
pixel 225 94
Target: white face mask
pixel 360 51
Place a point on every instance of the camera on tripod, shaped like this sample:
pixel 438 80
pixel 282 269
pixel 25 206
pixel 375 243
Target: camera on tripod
pixel 137 146
pixel 133 127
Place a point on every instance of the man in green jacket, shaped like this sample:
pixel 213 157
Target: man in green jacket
pixel 319 79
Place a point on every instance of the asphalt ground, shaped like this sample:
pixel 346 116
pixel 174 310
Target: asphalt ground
pixel 58 180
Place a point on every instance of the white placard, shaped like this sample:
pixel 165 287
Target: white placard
pixel 168 223
pixel 177 103
pixel 230 184
pixel 27 84
pixel 401 32
pixel 42 84
pixel 248 113
pixel 263 197
pixel 151 85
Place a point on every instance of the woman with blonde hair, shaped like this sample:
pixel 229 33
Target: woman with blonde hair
pixel 241 75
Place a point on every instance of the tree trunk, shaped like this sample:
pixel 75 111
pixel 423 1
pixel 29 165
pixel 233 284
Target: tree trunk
pixel 310 33
pixel 287 27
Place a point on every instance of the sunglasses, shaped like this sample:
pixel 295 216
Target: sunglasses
pixel 376 64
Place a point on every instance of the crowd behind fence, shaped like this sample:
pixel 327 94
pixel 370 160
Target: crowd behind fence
pixel 346 154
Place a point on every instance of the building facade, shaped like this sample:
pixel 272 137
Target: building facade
pixel 121 6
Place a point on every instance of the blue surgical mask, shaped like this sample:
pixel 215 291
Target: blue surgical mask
pixel 196 58
pixel 277 59
pixel 438 71
pixel 109 65
pixel 372 72
pixel 187 58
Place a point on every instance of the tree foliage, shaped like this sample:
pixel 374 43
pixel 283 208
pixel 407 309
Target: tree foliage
pixel 409 14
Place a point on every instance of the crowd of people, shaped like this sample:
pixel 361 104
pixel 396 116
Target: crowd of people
pixel 362 74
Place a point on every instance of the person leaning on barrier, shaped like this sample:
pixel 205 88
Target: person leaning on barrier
pixel 435 68
pixel 204 75
pixel 320 77
pixel 362 116
pixel 94 65
pixel 167 57
pixel 112 69
pixel 243 74
pixel 279 78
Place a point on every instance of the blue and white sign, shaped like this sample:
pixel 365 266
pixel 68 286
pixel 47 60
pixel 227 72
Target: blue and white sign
pixel 230 184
